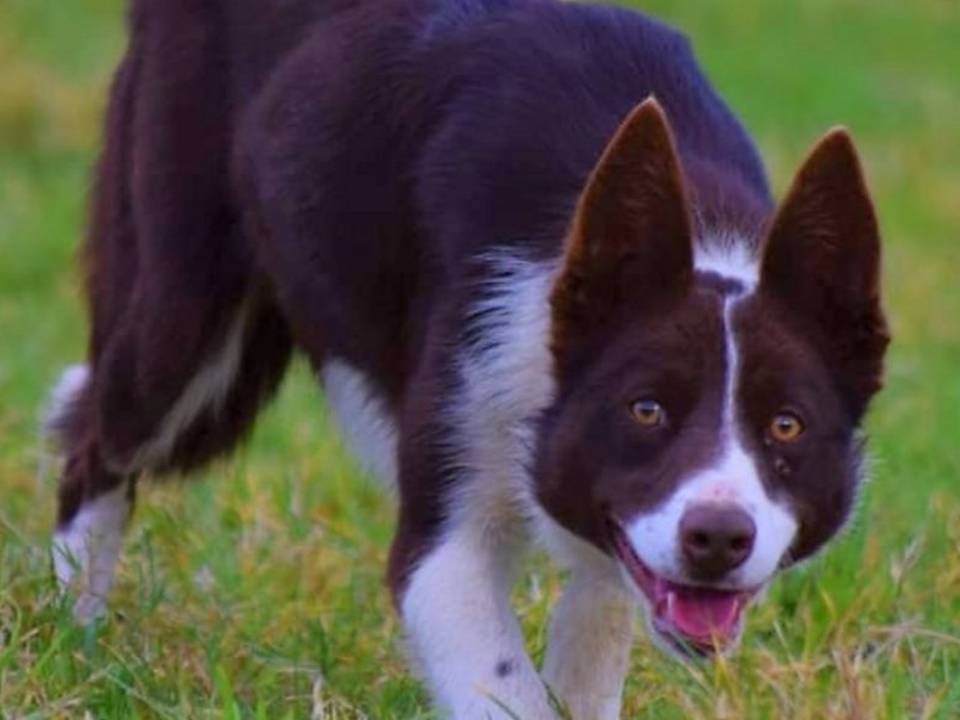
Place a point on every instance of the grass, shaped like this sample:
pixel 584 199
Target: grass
pixel 258 593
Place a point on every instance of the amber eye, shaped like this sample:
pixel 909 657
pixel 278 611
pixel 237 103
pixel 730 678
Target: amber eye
pixel 648 413
pixel 786 427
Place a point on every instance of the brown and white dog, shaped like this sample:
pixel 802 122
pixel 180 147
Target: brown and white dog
pixel 542 304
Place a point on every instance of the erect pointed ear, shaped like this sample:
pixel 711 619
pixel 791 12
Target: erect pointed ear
pixel 629 246
pixel 822 260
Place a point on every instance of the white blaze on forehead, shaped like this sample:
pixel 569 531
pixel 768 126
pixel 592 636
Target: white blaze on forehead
pixel 732 478
pixel 730 258
pixel 739 476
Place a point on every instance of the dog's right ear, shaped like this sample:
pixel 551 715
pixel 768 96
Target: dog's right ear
pixel 630 247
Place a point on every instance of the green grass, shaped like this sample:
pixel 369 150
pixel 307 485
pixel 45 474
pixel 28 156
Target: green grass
pixel 257 593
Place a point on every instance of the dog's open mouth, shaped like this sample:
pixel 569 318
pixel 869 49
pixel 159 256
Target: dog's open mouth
pixel 694 620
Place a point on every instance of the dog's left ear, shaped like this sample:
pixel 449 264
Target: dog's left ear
pixel 629 248
pixel 822 260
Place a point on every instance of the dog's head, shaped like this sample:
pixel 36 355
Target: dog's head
pixel 705 428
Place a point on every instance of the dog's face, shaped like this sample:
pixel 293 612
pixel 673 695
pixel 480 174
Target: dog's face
pixel 705 429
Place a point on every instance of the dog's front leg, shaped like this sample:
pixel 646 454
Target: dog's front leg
pixel 456 607
pixel 588 652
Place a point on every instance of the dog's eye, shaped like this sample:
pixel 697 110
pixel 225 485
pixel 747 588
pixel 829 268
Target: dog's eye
pixel 786 427
pixel 648 413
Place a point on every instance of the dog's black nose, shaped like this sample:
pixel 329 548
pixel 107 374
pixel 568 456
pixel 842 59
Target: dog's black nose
pixel 716 539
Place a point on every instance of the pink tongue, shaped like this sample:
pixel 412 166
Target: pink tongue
pixel 700 614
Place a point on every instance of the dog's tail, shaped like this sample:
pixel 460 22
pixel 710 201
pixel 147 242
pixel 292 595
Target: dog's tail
pixel 108 256
pixel 168 91
pixel 109 248
pixel 163 139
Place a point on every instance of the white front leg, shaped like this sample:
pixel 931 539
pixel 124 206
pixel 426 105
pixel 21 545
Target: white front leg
pixel 588 652
pixel 464 634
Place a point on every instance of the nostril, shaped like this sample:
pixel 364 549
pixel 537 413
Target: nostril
pixel 740 538
pixel 699 540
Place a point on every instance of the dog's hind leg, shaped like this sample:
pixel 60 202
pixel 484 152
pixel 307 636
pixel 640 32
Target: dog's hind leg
pixel 87 547
pixel 94 503
pixel 218 402
pixel 216 407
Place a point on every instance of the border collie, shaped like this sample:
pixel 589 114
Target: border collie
pixel 535 260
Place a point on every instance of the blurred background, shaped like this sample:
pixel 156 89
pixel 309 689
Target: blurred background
pixel 268 601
